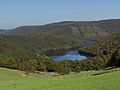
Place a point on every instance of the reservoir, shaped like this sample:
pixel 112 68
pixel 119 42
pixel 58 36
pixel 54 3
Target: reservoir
pixel 69 55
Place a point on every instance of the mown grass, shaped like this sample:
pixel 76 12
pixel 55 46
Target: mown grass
pixel 90 80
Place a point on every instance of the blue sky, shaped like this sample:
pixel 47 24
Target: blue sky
pixel 15 13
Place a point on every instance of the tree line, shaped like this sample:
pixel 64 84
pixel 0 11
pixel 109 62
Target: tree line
pixel 44 63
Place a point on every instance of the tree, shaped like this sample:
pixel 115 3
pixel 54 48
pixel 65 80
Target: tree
pixel 63 67
pixel 115 59
pixel 11 63
pixel 77 69
pixel 28 66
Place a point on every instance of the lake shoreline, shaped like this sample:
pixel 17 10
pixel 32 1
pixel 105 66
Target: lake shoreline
pixel 55 52
pixel 69 55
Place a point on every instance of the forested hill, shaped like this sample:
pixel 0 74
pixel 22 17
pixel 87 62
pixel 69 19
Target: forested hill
pixel 65 35
pixel 104 46
pixel 70 29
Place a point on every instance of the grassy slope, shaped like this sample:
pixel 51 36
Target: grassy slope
pixel 13 80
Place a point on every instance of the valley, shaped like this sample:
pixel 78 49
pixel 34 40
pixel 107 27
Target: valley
pixel 84 52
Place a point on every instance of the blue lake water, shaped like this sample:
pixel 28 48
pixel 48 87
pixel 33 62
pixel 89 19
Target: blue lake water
pixel 69 55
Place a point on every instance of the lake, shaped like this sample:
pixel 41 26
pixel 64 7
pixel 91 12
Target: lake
pixel 69 55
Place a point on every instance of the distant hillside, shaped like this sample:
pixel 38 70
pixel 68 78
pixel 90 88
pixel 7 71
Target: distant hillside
pixel 71 29
pixel 60 35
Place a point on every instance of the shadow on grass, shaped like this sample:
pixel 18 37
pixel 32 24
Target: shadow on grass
pixel 109 70
pixel 100 73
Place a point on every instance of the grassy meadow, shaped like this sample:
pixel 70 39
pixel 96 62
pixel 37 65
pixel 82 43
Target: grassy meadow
pixel 90 80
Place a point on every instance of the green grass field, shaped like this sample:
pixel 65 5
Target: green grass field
pixel 91 80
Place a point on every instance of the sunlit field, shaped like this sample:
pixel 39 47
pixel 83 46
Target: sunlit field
pixel 90 80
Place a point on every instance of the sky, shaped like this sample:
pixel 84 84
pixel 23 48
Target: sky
pixel 14 13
